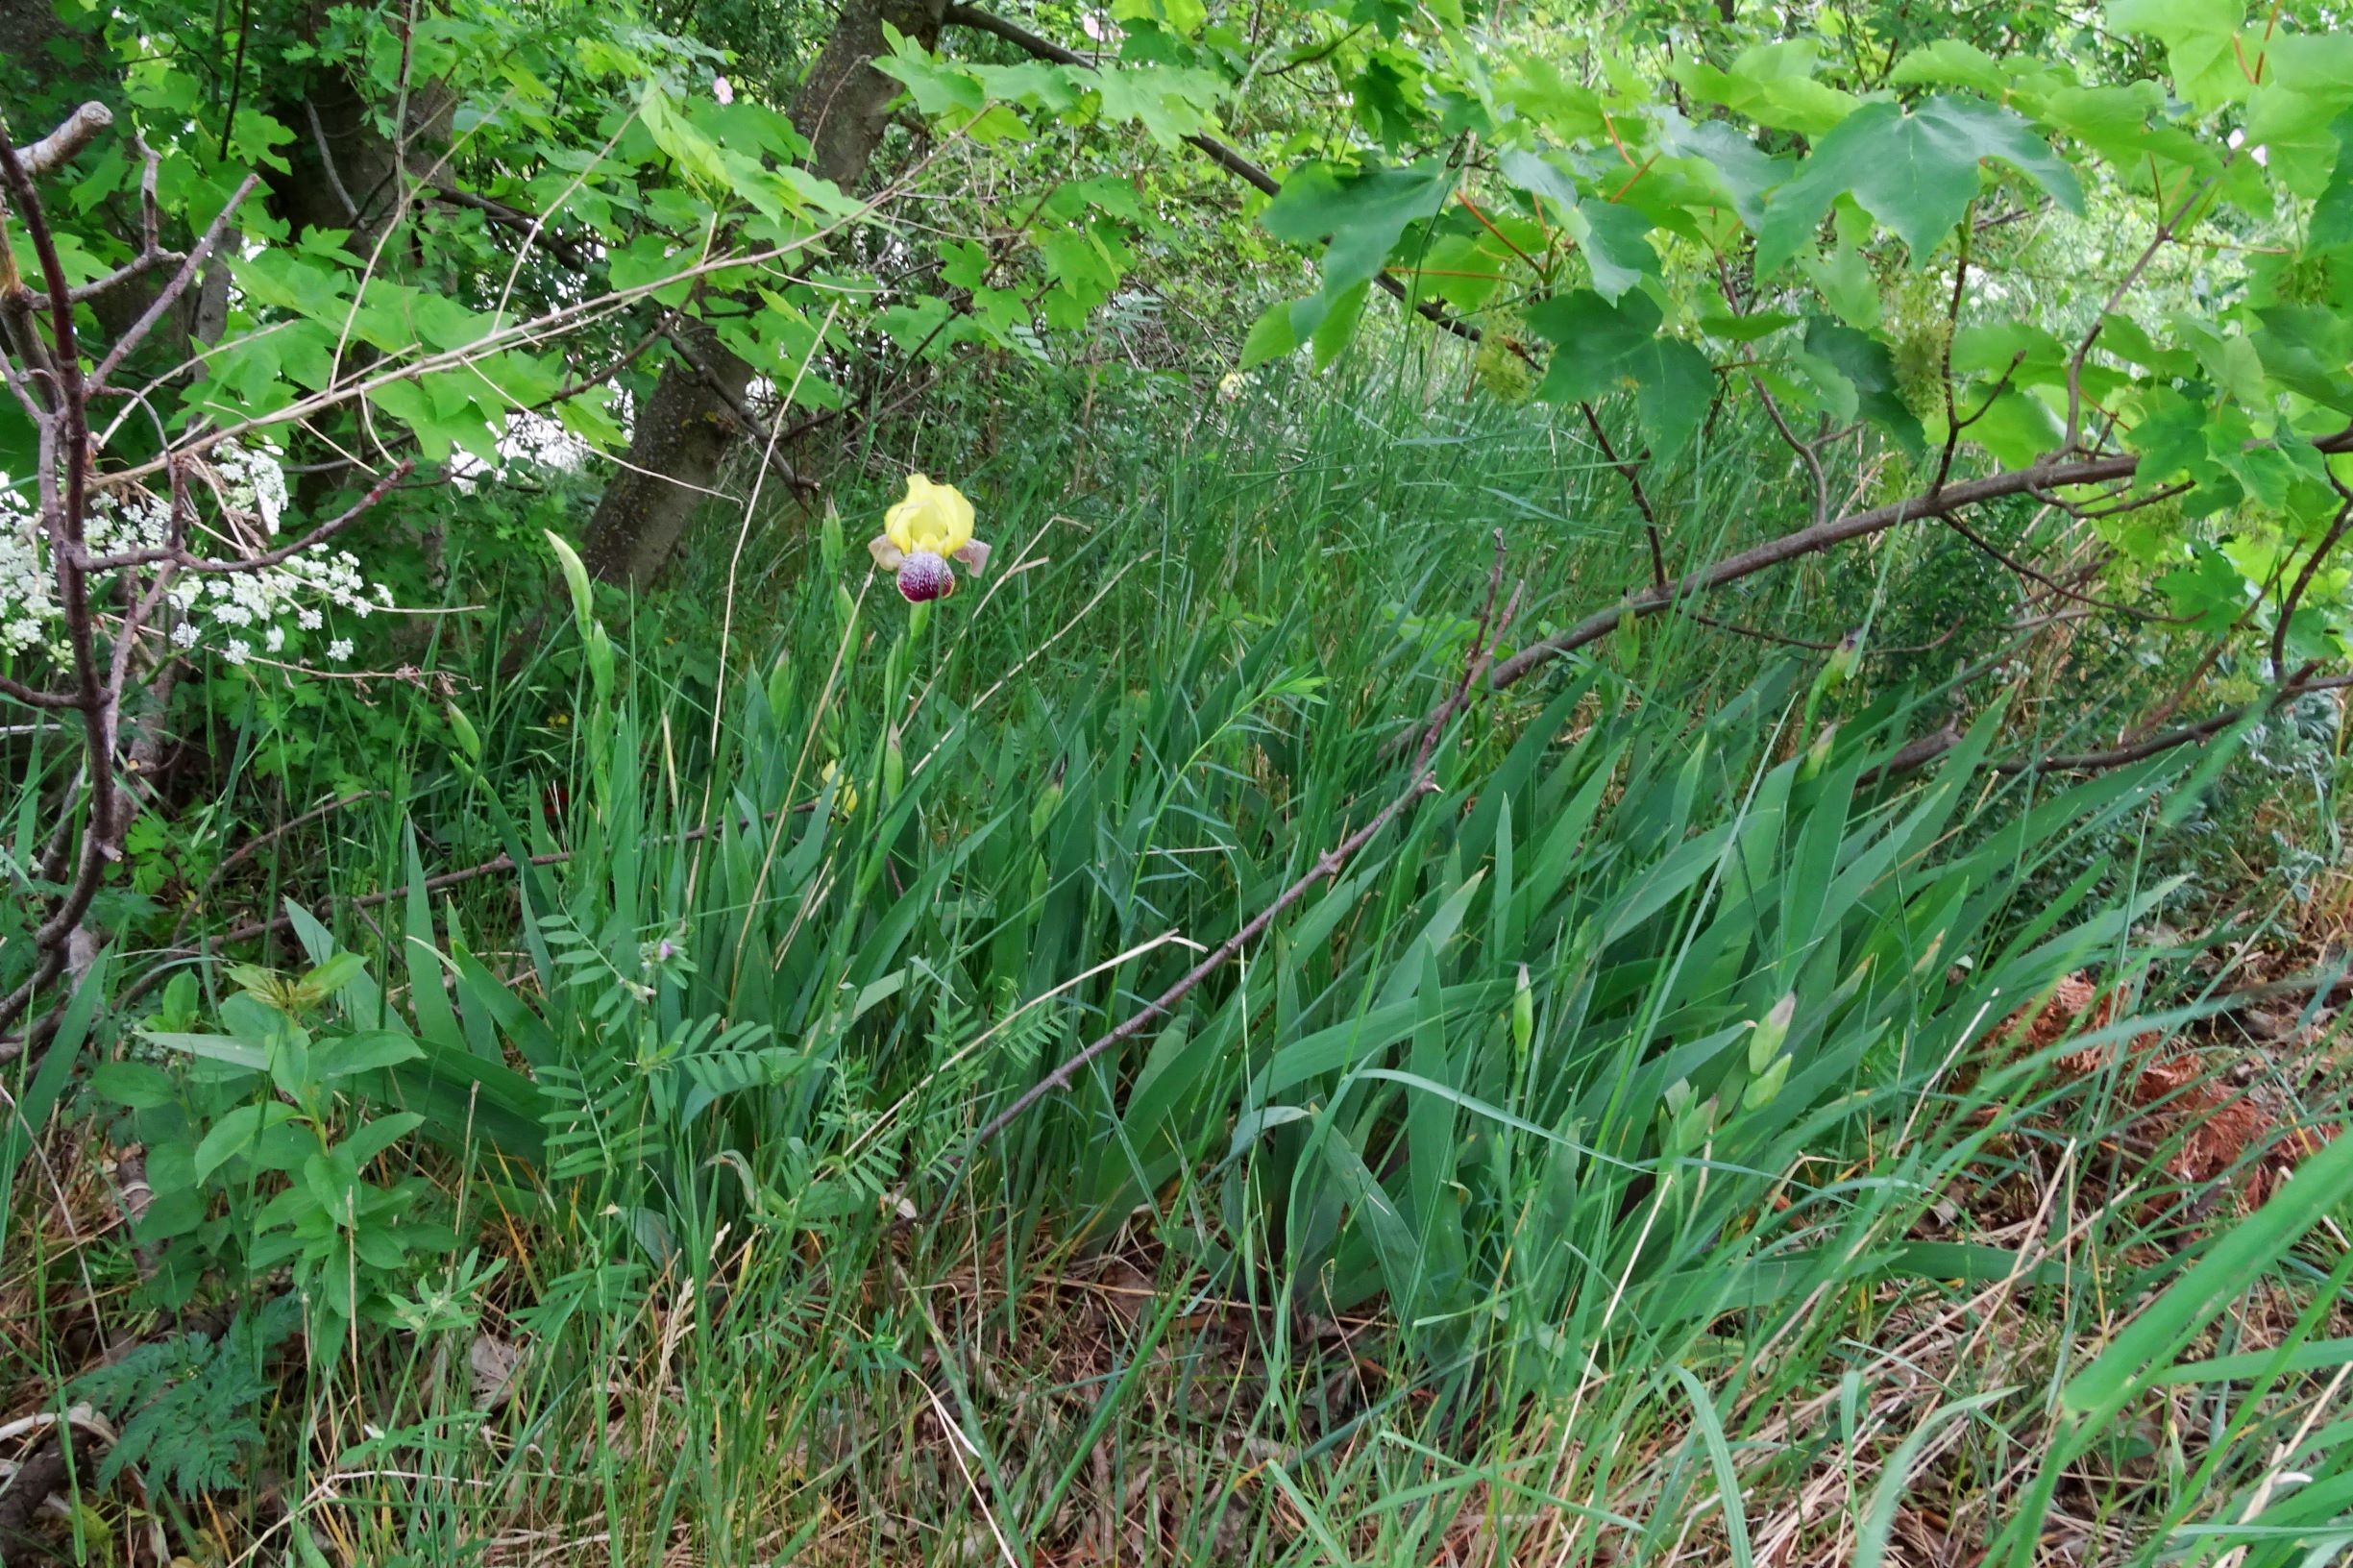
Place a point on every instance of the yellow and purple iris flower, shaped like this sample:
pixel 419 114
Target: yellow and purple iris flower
pixel 921 533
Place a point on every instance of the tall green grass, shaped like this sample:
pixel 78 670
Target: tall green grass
pixel 1616 1161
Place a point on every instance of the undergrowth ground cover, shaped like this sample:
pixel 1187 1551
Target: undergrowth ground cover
pixel 1682 1131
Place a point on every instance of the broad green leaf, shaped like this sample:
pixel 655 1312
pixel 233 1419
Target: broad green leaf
pixel 2319 63
pixel 2209 591
pixel 1601 347
pixel 1842 277
pixel 1539 175
pixel 348 1056
pixel 1332 334
pixel 1271 336
pixel 1951 62
pixel 1773 85
pixel 1916 173
pixel 2016 427
pixel 2289 132
pixel 244 1056
pixel 1741 169
pixel 2332 214
pixel 1592 332
pixel 2201 38
pixel 1363 213
pixel 1868 366
pixel 236 1132
pixel 1615 249
pixel 1170 102
pixel 2114 122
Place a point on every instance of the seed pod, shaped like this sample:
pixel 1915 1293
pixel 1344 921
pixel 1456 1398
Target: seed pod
pixel 469 741
pixel 1766 1086
pixel 1771 1031
pixel 831 548
pixel 779 686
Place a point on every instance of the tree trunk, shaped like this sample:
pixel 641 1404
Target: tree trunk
pixel 686 428
pixel 343 174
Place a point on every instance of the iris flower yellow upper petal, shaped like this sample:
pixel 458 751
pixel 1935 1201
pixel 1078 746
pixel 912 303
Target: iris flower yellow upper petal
pixel 934 518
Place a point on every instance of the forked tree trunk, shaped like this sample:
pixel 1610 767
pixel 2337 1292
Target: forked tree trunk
pixel 687 426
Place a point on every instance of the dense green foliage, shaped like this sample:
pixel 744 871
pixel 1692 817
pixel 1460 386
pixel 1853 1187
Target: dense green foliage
pixel 530 970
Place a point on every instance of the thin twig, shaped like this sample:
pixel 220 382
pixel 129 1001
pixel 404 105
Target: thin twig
pixel 2303 580
pixel 1632 474
pixel 1989 548
pixel 2048 474
pixel 136 333
pixel 1811 458
pixel 1953 424
pixel 64 438
pixel 2166 228
pixel 1921 752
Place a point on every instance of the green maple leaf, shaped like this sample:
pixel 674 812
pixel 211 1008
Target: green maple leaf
pixel 1603 347
pixel 1916 173
pixel 2199 37
pixel 1363 215
pixel 1614 246
pixel 2209 591
pixel 1866 363
pixel 2332 215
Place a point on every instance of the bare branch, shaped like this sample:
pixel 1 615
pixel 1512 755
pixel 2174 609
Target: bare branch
pixel 1952 324
pixel 152 251
pixel 2050 473
pixel 2054 584
pixel 64 439
pixel 1632 474
pixel 327 161
pixel 1803 448
pixel 740 411
pixel 2166 228
pixel 136 333
pixel 17 691
pixel 2295 593
pixel 1926 750
pixel 58 147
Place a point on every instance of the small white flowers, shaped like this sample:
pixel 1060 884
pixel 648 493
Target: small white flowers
pixel 244 497
pixel 340 650
pixel 27 601
pixel 723 90
pixel 255 484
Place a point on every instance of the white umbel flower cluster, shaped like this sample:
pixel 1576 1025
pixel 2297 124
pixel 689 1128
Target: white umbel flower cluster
pixel 229 614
